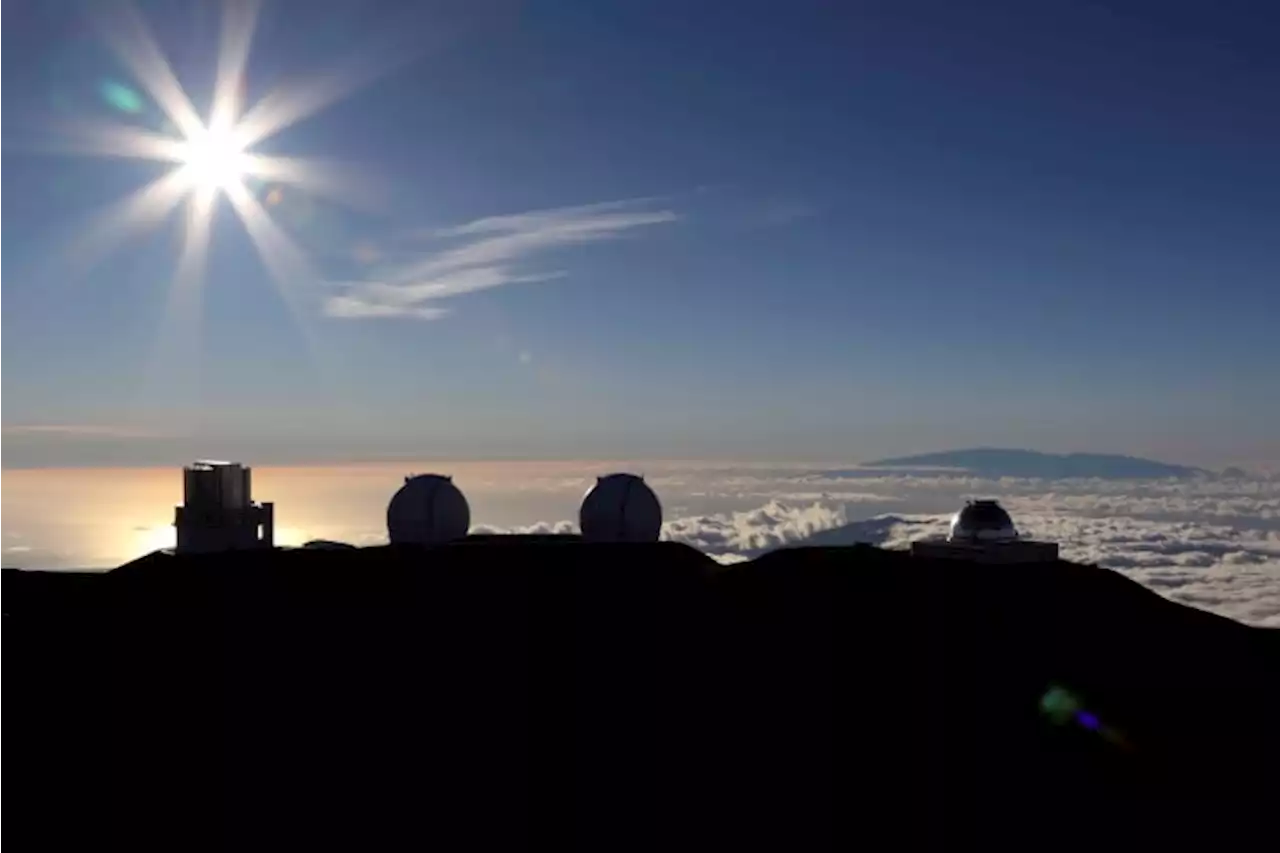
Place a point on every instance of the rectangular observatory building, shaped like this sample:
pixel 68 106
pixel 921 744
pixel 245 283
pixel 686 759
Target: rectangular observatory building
pixel 218 512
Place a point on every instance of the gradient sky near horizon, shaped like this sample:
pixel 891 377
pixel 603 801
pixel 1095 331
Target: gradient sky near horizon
pixel 601 229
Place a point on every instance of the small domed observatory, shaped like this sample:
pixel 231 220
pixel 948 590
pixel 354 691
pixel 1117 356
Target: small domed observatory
pixel 620 508
pixel 983 532
pixel 982 521
pixel 427 510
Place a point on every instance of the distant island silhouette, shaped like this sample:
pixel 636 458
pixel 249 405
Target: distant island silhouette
pixel 999 462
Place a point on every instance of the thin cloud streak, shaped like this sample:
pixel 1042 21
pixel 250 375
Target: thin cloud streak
pixel 490 255
pixel 73 431
pixel 352 308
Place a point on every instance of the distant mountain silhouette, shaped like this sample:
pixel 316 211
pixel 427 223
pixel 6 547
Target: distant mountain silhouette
pixel 997 462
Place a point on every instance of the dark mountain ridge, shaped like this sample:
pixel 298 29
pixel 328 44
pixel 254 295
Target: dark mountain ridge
pixel 1001 462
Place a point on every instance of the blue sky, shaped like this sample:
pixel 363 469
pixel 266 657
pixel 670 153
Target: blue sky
pixel 567 229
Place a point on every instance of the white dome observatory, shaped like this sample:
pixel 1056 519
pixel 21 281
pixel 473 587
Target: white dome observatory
pixel 427 510
pixel 620 508
pixel 982 521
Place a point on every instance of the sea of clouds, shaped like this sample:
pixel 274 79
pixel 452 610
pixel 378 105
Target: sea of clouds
pixel 1213 543
pixel 1210 542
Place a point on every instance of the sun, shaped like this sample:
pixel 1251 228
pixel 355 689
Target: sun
pixel 210 157
pixel 213 159
pixel 210 154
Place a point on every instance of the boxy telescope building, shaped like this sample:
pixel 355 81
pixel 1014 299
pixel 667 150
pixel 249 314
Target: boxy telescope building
pixel 218 512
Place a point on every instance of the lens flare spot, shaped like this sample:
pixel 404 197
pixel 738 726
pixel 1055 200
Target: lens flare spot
pixel 121 97
pixel 1059 704
pixel 274 197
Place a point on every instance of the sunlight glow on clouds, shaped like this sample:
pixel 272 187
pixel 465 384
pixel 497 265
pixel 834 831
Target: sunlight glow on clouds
pixel 1213 543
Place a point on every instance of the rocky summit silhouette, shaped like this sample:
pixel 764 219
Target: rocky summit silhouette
pixel 505 692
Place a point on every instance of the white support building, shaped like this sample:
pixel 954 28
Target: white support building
pixel 218 512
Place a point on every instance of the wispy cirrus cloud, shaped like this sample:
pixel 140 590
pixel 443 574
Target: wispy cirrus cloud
pixel 484 254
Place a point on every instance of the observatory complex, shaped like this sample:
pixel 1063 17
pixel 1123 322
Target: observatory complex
pixel 219 514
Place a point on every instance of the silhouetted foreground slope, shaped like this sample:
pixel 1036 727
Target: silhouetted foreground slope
pixel 515 694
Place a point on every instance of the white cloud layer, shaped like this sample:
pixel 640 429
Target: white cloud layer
pixel 1212 544
pixel 483 254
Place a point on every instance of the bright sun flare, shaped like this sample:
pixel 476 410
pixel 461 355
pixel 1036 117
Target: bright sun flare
pixel 214 159
pixel 211 156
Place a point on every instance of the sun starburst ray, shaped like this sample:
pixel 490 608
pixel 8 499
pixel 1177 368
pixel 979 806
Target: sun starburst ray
pixel 130 39
pixel 290 103
pixel 239 19
pixel 100 138
pixel 175 358
pixel 137 212
pixel 190 269
pixel 317 177
pixel 282 257
pixel 285 261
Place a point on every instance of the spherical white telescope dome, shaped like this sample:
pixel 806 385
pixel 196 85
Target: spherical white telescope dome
pixel 427 510
pixel 982 521
pixel 620 508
